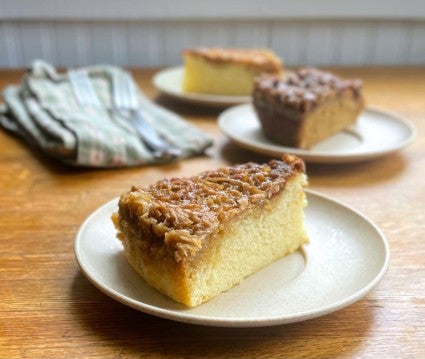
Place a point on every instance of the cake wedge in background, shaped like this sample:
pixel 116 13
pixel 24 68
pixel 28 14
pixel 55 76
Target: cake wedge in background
pixel 306 107
pixel 226 71
pixel 193 238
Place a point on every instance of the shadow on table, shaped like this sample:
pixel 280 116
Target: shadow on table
pixel 189 109
pixel 134 333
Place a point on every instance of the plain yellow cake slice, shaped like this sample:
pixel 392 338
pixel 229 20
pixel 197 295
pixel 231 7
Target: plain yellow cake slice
pixel 226 71
pixel 193 238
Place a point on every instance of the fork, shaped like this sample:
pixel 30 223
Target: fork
pixel 126 105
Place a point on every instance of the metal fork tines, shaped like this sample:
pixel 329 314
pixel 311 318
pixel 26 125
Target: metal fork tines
pixel 126 104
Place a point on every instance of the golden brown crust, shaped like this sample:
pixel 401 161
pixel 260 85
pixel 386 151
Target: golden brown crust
pixel 176 215
pixel 263 59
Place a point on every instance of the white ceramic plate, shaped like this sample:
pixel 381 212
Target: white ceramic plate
pixel 169 82
pixel 347 255
pixel 376 133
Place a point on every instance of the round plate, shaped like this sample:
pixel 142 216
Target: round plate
pixel 347 255
pixel 169 82
pixel 376 133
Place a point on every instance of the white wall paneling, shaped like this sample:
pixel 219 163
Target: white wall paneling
pixel 209 9
pixel 67 38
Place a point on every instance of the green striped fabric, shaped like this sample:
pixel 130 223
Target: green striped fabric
pixel 43 110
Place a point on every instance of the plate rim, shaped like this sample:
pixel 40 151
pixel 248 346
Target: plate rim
pixel 317 156
pixel 233 322
pixel 197 98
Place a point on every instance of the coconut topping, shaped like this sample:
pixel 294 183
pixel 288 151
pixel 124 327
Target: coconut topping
pixel 263 58
pixel 305 89
pixel 180 212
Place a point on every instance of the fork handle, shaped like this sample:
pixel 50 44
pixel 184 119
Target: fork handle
pixel 151 138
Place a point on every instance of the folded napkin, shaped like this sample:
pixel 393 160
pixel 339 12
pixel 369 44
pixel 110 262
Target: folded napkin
pixel 44 110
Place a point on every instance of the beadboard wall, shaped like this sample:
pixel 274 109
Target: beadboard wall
pixel 153 33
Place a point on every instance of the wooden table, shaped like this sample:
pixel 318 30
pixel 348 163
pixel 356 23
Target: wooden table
pixel 48 309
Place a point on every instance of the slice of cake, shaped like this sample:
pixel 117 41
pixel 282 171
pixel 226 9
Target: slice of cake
pixel 226 71
pixel 192 238
pixel 306 106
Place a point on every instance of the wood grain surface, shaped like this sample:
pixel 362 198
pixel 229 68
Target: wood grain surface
pixel 48 309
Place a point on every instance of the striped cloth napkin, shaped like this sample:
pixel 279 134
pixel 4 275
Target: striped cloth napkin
pixel 44 111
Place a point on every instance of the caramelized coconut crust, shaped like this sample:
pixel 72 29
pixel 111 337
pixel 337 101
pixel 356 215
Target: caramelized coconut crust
pixel 303 90
pixel 177 214
pixel 261 58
